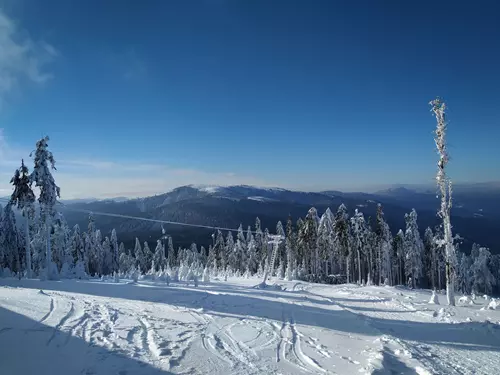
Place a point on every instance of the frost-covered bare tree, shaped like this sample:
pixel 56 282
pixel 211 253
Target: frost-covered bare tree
pixel 438 108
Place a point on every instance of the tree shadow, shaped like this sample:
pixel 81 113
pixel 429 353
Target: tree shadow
pixel 30 347
pixel 474 335
pixel 392 365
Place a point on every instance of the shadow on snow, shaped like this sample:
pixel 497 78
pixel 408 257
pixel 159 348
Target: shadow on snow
pixel 254 304
pixel 30 347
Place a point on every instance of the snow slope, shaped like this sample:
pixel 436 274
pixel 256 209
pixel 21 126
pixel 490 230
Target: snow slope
pixel 99 327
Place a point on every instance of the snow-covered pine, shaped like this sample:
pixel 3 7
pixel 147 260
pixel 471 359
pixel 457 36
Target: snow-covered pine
pixel 430 257
pixel 107 257
pixel 306 240
pixel 342 242
pixel 281 255
pixel 464 280
pixel 228 251
pixel 359 232
pixel 413 248
pixel 115 251
pixel 399 251
pixel 159 256
pixel 252 263
pixel 9 240
pixel 241 251
pixel 147 257
pixel 219 250
pixel 98 259
pixel 49 191
pixel 483 279
pixel 384 242
pixel 444 184
pixel 325 243
pixel 138 254
pixel 171 258
pixel 290 249
pixel 24 198
pixel 61 242
pixel 76 245
pixel 211 259
pixel 259 242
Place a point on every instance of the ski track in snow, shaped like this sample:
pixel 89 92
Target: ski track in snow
pixel 233 328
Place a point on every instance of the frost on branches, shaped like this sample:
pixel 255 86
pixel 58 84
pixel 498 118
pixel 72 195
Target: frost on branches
pixel 49 191
pixel 438 108
pixel 24 198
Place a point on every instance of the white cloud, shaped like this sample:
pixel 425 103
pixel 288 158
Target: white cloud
pixel 21 58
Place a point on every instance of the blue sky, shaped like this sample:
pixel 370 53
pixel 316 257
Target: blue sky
pixel 140 97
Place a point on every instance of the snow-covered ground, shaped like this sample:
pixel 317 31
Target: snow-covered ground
pixel 99 327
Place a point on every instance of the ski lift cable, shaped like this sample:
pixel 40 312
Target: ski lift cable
pixel 100 213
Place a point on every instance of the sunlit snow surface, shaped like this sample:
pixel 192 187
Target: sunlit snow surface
pixel 96 327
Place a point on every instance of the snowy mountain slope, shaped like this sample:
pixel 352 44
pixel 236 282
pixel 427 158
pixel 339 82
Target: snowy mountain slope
pixel 98 327
pixel 230 206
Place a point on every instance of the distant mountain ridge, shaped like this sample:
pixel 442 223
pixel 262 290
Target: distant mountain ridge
pixel 228 206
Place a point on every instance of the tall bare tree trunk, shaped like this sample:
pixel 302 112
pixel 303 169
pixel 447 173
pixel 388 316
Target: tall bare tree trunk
pixel 438 107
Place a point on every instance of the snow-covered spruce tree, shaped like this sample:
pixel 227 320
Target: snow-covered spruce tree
pixel 413 248
pixel 399 251
pixel 219 250
pixel 483 279
pixel 341 233
pixel 9 240
pixel 148 256
pixel 495 271
pixel 430 257
pixel 49 191
pixel 307 240
pixel 281 254
pixel 259 239
pixel 290 250
pixel 228 250
pixel 107 257
pixel 464 274
pixel 438 108
pixel 61 243
pixel 115 251
pixel 371 252
pixel 98 259
pixel 24 198
pixel 90 247
pixel 253 263
pixel 359 232
pixel 125 263
pixel 384 242
pixel 77 249
pixel 241 243
pixel 171 257
pixel 159 256
pixel 325 242
pixel 39 247
pixel 212 260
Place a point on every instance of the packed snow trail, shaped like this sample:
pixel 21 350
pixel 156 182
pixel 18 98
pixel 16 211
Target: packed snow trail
pixel 100 327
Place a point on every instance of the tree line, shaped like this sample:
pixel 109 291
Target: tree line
pixel 331 248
